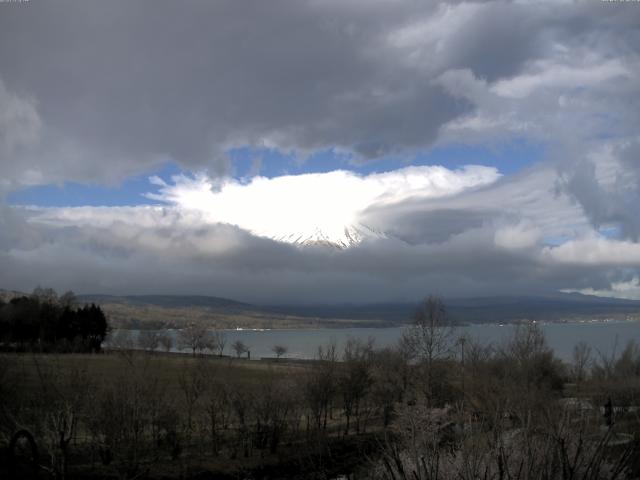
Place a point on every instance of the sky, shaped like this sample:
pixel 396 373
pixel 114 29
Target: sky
pixel 308 151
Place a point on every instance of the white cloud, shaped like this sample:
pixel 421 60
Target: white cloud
pixel 19 121
pixel 629 290
pixel 20 128
pixel 313 204
pixel 521 235
pixel 596 251
pixel 546 74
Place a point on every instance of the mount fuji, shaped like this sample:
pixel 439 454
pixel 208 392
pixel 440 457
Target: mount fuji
pixel 314 209
pixel 346 237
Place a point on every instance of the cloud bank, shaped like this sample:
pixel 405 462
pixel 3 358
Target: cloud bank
pixel 454 234
pixel 113 88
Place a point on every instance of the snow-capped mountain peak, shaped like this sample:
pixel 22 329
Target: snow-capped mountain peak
pixel 314 208
pixel 348 236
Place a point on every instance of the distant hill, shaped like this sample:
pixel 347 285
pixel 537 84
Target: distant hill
pixel 557 307
pixel 173 311
pixel 495 309
pixel 174 301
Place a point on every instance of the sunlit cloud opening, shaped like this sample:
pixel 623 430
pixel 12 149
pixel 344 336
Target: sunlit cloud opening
pixel 315 206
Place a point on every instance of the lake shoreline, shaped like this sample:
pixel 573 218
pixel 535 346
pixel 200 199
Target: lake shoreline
pixel 603 336
pixel 408 324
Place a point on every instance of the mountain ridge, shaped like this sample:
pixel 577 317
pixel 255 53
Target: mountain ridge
pixel 485 309
pixel 552 307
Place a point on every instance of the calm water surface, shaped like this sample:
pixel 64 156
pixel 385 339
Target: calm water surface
pixel 605 337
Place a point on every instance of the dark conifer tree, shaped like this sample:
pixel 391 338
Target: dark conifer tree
pixel 39 323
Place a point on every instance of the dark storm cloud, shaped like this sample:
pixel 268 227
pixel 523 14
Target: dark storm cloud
pixel 436 226
pixel 120 257
pixel 107 89
pixel 121 85
pixel 224 261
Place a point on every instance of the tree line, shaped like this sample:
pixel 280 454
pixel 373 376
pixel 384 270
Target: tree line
pixel 45 322
pixel 194 338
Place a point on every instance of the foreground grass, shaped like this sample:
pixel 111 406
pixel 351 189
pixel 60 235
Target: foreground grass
pixel 167 368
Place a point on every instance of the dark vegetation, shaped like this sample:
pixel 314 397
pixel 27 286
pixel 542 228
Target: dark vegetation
pixel 435 407
pixel 44 322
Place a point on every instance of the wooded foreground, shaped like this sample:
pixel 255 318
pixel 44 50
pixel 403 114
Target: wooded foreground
pixel 435 407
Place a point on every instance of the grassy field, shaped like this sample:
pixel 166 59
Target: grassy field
pixel 166 368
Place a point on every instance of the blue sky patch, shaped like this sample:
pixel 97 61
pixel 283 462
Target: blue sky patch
pixel 248 162
pixel 72 194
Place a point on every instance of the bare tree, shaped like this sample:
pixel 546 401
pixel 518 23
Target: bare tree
pixel 45 295
pixel 355 379
pixel 166 341
pixel 68 300
pixel 241 398
pixel 279 350
pixel 239 347
pixel 193 383
pixel 564 447
pixel 273 404
pixel 581 361
pixel 148 340
pixel 432 332
pixel 216 406
pixel 431 337
pixel 119 419
pixel 60 405
pixel 121 340
pixel 208 342
pixel 193 337
pixel 389 374
pixel 220 341
pixel 319 385
pixel 527 342
pixel 603 366
pixel 10 401
pixel 628 364
pixel 529 372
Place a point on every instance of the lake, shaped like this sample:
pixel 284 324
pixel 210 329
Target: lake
pixel 605 337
